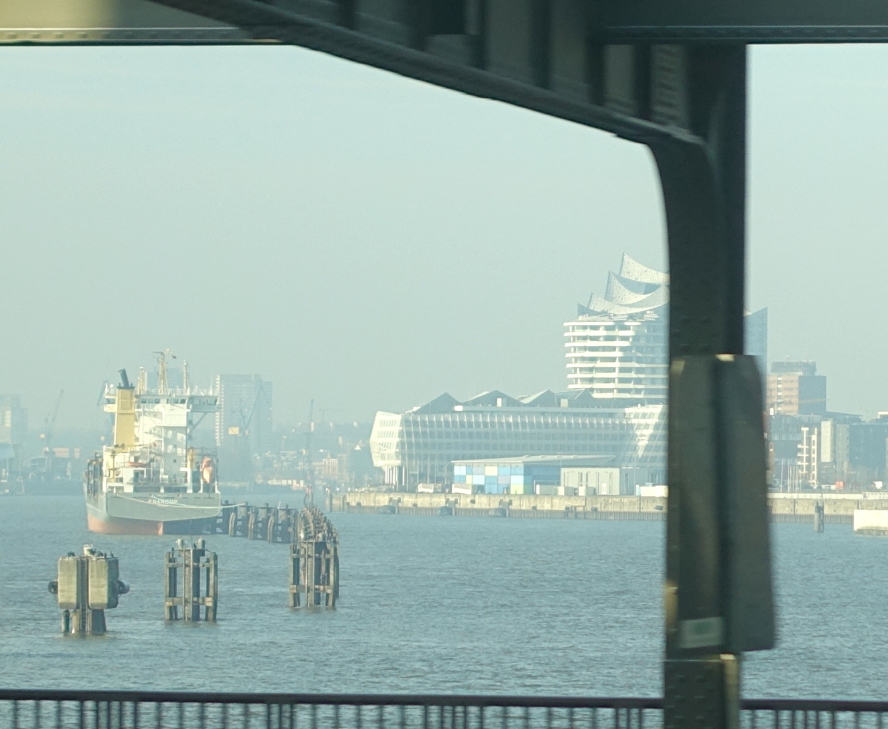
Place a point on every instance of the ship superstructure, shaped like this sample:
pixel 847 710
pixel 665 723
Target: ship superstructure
pixel 151 480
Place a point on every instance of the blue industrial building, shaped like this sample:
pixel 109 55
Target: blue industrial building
pixel 522 475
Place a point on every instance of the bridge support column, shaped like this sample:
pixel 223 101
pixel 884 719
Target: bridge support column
pixel 717 579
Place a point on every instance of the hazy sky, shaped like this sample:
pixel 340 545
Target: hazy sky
pixel 370 241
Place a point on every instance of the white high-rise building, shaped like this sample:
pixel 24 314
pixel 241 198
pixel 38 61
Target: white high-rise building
pixel 617 345
pixel 615 408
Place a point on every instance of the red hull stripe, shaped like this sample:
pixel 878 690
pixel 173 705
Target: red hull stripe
pixel 123 526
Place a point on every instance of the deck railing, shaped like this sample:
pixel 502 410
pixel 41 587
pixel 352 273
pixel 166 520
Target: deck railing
pixel 35 709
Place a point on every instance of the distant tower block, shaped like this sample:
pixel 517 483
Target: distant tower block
pixel 314 561
pixel 86 587
pixel 193 591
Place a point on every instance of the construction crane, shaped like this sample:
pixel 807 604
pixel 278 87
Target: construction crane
pixel 246 421
pixel 46 436
pixel 309 469
pixel 244 439
pixel 50 421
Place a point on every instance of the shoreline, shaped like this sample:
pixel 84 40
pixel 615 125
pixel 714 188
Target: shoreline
pixel 783 508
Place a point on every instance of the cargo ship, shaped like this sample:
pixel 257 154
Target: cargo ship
pixel 151 480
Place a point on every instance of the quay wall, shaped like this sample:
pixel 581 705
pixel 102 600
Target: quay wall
pixel 783 507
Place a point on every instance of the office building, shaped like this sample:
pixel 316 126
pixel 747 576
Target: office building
pixel 614 408
pixel 756 338
pixel 13 420
pixel 420 446
pixel 795 388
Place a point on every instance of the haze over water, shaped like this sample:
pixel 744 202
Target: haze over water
pixel 434 604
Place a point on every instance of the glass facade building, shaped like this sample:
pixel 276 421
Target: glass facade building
pixel 419 446
pixel 615 406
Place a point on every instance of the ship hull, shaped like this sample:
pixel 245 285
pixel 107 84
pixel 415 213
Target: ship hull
pixel 152 514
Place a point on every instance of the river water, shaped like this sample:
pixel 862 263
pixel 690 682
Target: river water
pixel 435 604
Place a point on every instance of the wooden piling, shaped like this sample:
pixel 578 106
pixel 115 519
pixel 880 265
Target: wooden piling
pixel 191 593
pixel 314 561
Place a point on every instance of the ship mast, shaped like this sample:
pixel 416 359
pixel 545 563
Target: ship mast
pixel 162 370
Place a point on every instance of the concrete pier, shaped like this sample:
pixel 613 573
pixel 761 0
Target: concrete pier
pixel 834 508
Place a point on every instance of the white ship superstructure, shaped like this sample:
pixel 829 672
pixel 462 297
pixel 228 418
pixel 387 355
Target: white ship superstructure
pixel 151 480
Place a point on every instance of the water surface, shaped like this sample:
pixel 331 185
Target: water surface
pixel 434 604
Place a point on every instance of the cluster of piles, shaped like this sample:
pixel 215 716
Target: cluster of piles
pixel 314 561
pixel 269 523
pixel 88 585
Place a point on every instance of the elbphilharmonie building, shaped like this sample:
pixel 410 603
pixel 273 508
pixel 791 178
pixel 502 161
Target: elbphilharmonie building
pixel 614 406
pixel 617 345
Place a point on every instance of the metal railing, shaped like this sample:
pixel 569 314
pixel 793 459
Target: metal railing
pixel 35 709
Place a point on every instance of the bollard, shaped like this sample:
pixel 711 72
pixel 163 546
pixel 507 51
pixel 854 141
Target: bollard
pixel 819 517
pixel 195 593
pixel 314 561
pixel 87 586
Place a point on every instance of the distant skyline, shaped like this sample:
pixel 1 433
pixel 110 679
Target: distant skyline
pixel 370 241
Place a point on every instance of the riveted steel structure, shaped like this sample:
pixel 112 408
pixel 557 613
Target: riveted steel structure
pixel 670 74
